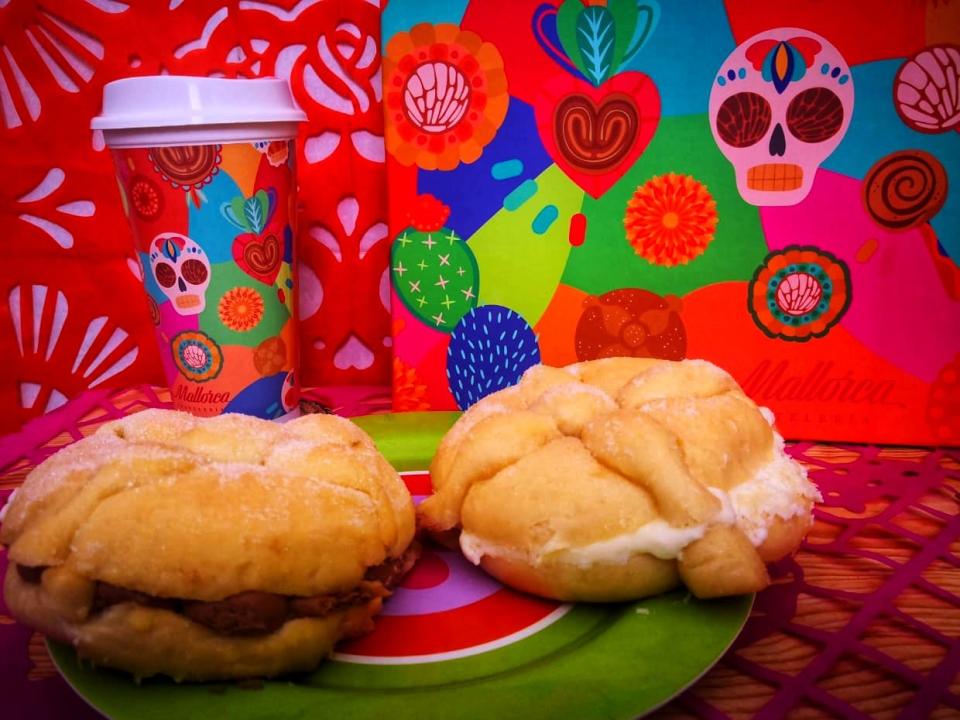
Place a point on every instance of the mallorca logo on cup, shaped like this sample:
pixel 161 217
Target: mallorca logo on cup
pixel 214 236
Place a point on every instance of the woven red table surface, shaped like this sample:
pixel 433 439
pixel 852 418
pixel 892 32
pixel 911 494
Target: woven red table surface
pixel 863 622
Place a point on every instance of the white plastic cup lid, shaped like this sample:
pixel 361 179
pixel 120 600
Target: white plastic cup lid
pixel 166 101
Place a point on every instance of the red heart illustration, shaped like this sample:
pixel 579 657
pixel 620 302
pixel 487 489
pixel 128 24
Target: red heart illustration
pixel 258 256
pixel 596 134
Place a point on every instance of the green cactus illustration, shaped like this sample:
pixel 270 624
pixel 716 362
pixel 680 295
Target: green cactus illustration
pixel 433 269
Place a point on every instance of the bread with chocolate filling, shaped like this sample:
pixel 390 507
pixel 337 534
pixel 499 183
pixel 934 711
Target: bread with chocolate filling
pixel 204 549
pixel 619 478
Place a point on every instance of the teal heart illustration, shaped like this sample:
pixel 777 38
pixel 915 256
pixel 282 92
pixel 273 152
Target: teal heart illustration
pixel 251 214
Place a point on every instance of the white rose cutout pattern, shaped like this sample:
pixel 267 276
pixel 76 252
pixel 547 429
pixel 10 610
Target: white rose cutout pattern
pixel 66 215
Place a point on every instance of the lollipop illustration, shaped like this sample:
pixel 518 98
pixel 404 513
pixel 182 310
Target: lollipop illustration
pixel 905 189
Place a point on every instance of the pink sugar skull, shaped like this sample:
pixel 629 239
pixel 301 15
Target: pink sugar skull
pixel 182 271
pixel 779 106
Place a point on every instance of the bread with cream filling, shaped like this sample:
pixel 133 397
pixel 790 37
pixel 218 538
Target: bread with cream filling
pixel 618 478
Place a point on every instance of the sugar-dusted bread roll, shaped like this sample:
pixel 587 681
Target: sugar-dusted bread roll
pixel 208 548
pixel 619 478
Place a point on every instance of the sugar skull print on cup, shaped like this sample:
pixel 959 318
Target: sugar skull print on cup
pixel 182 271
pixel 779 106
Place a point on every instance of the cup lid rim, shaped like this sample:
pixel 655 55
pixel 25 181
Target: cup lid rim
pixel 154 101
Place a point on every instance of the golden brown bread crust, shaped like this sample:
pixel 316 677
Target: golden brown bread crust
pixel 618 478
pixel 147 641
pixel 784 537
pixel 639 576
pixel 202 509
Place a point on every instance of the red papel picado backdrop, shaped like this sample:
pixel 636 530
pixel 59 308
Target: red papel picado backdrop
pixel 73 314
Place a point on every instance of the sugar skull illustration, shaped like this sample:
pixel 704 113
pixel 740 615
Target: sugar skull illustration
pixel 780 104
pixel 277 151
pixel 182 271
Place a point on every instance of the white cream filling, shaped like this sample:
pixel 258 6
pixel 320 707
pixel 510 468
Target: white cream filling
pixel 779 489
pixel 768 415
pixel 657 538
pixel 475 549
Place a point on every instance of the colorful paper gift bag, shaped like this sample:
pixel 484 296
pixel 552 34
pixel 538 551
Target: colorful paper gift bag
pixel 572 181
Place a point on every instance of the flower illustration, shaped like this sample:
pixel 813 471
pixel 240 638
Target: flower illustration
pixel 270 356
pixel 145 198
pixel 241 309
pixel 197 355
pixel 446 96
pixel 799 293
pixel 426 213
pixel 409 393
pixel 670 219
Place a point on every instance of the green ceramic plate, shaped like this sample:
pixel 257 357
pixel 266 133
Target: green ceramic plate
pixel 454 644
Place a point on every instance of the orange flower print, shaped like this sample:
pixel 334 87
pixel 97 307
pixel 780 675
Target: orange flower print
pixel 445 95
pixel 670 219
pixel 409 394
pixel 241 309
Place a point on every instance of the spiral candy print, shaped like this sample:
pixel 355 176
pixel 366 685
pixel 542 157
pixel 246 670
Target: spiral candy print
pixel 905 189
